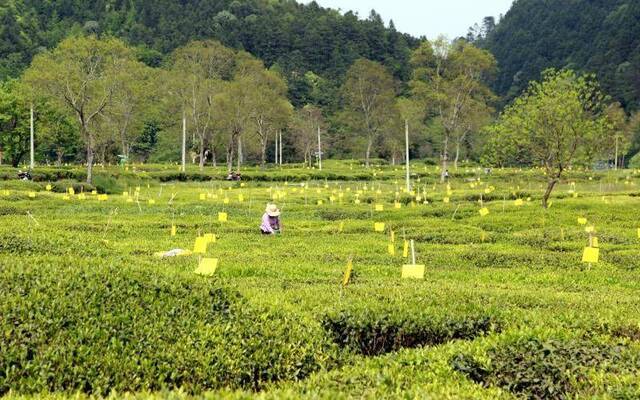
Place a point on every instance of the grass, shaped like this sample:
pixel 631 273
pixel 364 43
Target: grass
pixel 87 308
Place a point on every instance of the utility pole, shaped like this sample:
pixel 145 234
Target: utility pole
pixel 239 153
pixel 184 141
pixel 406 152
pixel 319 150
pixel 31 138
pixel 280 133
pixel 275 153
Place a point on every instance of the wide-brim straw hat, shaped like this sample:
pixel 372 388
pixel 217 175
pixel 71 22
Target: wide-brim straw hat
pixel 272 210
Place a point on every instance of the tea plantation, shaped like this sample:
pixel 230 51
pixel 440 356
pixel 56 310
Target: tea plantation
pixel 506 309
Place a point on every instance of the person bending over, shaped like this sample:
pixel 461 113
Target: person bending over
pixel 270 220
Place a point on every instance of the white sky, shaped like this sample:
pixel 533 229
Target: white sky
pixel 430 18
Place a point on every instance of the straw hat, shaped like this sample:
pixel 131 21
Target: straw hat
pixel 272 210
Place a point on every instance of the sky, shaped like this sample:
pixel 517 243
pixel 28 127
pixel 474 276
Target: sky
pixel 429 18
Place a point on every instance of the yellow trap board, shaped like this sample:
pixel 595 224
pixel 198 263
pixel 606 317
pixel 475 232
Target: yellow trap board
pixel 413 271
pixel 591 255
pixel 207 266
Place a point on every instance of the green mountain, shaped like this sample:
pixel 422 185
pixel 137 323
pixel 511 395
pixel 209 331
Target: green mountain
pixel 599 36
pixel 297 38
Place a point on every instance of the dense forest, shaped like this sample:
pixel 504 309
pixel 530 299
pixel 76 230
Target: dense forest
pixel 297 38
pixel 241 78
pixel 599 36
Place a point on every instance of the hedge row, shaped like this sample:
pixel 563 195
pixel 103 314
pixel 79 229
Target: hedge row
pixel 373 333
pixel 99 329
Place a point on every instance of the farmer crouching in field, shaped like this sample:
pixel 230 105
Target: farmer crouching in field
pixel 270 220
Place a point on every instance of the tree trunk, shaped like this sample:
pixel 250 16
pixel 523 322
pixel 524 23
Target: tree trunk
pixel 213 157
pixel 263 155
pixel 368 153
pixel 616 161
pixel 89 162
pixel 545 199
pixel 202 157
pixel 445 159
pixel 230 156
pixel 59 155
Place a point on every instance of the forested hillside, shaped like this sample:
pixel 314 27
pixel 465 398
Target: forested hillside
pixel 298 38
pixel 601 36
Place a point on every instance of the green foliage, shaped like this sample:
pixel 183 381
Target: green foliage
pixel 600 37
pixel 542 369
pixel 557 123
pixel 14 123
pixel 373 332
pixel 133 330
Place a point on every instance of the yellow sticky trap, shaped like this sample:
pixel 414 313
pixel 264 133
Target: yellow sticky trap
pixel 222 217
pixel 125 194
pixel 356 201
pixel 240 198
pixel 484 212
pixel 594 242
pixel 405 249
pixel 200 247
pixel 6 192
pixel 226 200
pixel 518 202
pixel 203 196
pixel 207 266
pixel 582 221
pixel 66 197
pixel 393 237
pixel 103 197
pixel 379 207
pixel 129 200
pixel 397 205
pixel 638 233
pixel 446 200
pixel 152 201
pixel 209 237
pixel 48 187
pixel 82 196
pixel 71 191
pixel 341 227
pixel 95 192
pixel 32 195
pixel 391 249
pixel 413 271
pixel 378 227
pixel 590 255
pixel 320 202
pixel 243 185
pixel 173 230
pixel 589 229
pixel 347 273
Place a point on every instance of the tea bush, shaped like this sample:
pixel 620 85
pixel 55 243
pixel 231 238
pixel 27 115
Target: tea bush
pixel 372 333
pixel 98 330
pixel 87 309
pixel 543 369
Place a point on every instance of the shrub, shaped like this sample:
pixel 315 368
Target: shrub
pixel 103 329
pixel 542 369
pixel 374 333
